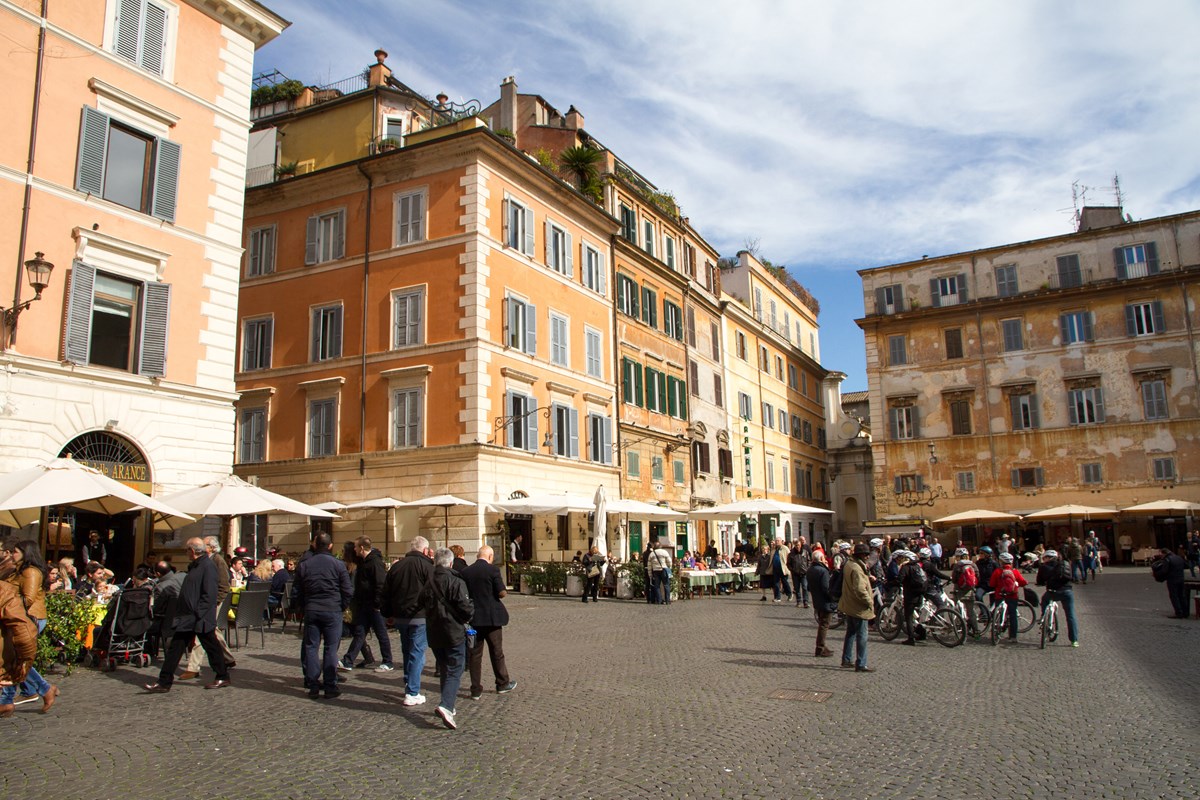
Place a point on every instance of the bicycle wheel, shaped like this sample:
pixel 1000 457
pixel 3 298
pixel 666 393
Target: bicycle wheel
pixel 997 623
pixel 889 623
pixel 983 618
pixel 1047 622
pixel 836 620
pixel 1053 635
pixel 1027 615
pixel 947 627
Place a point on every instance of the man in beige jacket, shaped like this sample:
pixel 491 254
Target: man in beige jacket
pixel 857 607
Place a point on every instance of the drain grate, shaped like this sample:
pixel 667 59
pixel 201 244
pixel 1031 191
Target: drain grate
pixel 802 695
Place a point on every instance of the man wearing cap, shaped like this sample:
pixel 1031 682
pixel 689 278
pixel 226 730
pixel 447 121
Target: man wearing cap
pixel 1056 577
pixel 856 605
pixel 912 584
pixel 987 564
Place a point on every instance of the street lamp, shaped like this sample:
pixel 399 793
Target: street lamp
pixel 932 453
pixel 37 271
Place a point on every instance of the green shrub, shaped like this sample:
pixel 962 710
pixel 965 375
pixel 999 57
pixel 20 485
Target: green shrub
pixel 66 616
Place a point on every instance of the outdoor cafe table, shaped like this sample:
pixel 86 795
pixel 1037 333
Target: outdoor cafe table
pixel 712 578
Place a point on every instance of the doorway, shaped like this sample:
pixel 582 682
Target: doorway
pixel 117 534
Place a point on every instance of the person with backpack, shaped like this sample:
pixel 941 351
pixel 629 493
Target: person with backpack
pixel 913 583
pixel 822 602
pixel 799 560
pixel 986 564
pixel 1055 575
pixel 965 578
pixel 934 577
pixel 1006 582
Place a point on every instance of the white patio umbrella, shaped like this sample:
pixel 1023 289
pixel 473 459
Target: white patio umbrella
pixel 67 482
pixel 754 506
pixel 1070 511
pixel 389 504
pixel 975 516
pixel 1161 507
pixel 636 508
pixel 330 505
pixel 445 502
pixel 600 527
pixel 543 504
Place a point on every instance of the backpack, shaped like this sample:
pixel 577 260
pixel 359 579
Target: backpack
pixel 1008 584
pixel 965 576
pixel 914 579
pixel 835 585
pixel 1160 569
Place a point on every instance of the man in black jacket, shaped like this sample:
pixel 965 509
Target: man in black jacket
pixel 818 577
pixel 448 609
pixel 322 591
pixel 486 589
pixel 369 578
pixel 401 593
pixel 195 618
pixel 1175 578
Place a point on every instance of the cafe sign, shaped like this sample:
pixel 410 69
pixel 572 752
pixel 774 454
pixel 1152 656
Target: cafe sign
pixel 135 476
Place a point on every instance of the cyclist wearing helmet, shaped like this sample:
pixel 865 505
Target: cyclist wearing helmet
pixel 986 564
pixel 933 577
pixel 1006 582
pixel 1055 575
pixel 875 572
pixel 913 582
pixel 966 581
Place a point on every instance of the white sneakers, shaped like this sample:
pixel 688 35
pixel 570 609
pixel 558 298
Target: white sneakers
pixel 414 699
pixel 384 668
pixel 447 717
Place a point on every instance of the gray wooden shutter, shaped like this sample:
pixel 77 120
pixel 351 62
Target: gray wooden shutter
pixel 920 483
pixel 880 301
pixel 1073 398
pixel 573 450
pixel 93 146
pixel 1151 258
pixel 1039 476
pixel 1099 398
pixel 1156 311
pixel 915 418
pixel 1014 406
pixel 339 235
pixel 505 224
pixel 335 333
pixel 311 252
pixel 894 422
pixel 935 297
pixel 1088 327
pixel 531 329
pixel 166 179
pixel 79 313
pixel 1064 327
pixel 154 38
pixel 1130 321
pixel 1035 419
pixel 128 28
pixel 531 424
pixel 511 428
pixel 547 246
pixel 1016 478
pixel 156 316
pixel 962 287
pixel 315 339
pixel 529 239
pixel 602 268
pixel 400 328
pixel 897 483
pixel 1119 261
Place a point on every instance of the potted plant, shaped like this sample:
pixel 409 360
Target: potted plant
pixel 287 169
pixel 390 143
pixel 631 580
pixel 574 579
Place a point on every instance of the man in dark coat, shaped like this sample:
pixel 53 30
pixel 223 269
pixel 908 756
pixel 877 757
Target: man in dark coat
pixel 486 589
pixel 195 618
pixel 401 591
pixel 369 578
pixel 448 609
pixel 1175 578
pixel 823 605
pixel 322 591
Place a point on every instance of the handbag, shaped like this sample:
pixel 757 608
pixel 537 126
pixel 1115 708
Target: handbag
pixel 593 572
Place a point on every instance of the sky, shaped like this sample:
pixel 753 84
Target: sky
pixel 836 136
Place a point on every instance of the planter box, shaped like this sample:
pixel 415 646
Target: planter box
pixel 624 587
pixel 574 586
pixel 526 585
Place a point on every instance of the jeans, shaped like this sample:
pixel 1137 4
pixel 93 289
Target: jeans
pixel 1014 621
pixel 33 684
pixel 800 584
pixel 180 642
pixel 663 579
pixel 1077 567
pixel 592 589
pixel 856 638
pixel 494 638
pixel 450 660
pixel 782 587
pixel 369 620
pixel 412 646
pixel 321 626
pixel 1066 599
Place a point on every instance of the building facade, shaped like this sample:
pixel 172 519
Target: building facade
pixel 124 167
pixel 1026 376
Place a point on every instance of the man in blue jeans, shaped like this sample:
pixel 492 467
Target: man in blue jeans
pixel 401 603
pixel 1055 575
pixel 322 590
pixel 448 609
pixel 858 607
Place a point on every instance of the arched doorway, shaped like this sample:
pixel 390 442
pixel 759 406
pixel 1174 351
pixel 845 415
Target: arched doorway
pixel 122 460
pixel 851 522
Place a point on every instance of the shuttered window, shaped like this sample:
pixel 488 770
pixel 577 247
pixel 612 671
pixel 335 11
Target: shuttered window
pixel 410 217
pixel 252 435
pixel 559 250
pixel 518 226
pixel 256 343
pixel 325 237
pixel 260 255
pixel 595 350
pixel 322 427
pixel 1144 319
pixel 600 439
pixel 326 332
pixel 140 33
pixel 127 166
pixel 1154 399
pixel 564 431
pixel 408 313
pixel 522 426
pixel 520 320
pixel 116 322
pixel 960 417
pixel 408 413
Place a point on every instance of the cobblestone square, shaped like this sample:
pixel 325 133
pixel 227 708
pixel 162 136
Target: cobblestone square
pixel 624 700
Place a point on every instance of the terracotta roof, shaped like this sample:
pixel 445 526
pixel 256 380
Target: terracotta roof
pixel 854 397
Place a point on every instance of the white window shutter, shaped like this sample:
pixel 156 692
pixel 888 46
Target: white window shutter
pixel 569 267
pixel 573 452
pixel 531 424
pixel 339 235
pixel 128 29
pixel 154 38
pixel 310 241
pixel 603 273
pixel 530 329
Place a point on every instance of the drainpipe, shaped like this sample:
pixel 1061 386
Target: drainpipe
pixel 366 284
pixel 29 161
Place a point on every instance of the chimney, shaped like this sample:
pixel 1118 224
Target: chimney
pixel 508 104
pixel 1093 217
pixel 443 99
pixel 379 72
pixel 574 119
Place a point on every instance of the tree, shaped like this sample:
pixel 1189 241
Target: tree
pixel 582 162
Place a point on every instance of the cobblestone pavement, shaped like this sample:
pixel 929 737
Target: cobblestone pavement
pixel 621 699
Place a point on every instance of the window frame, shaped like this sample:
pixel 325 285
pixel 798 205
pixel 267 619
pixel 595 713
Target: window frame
pixel 560 339
pixel 319 349
pixel 1006 280
pixel 953 341
pixel 315 447
pixel 593 274
pixel 518 226
pixel 251 437
pixel 559 249
pixel 405 295
pixel 149 324
pixel 417 392
pixel 260 250
pixel 1012 334
pixel 402 229
pixel 1154 407
pixel 256 350
pixel 155 57
pixel 897 350
pixel 161 165
pixel 593 344
pixel 520 325
pixel 325 237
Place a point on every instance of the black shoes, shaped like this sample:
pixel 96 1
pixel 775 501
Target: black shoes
pixel 157 688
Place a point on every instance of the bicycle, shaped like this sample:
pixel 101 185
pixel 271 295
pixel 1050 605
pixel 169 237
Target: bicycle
pixel 1049 624
pixel 1027 615
pixel 982 616
pixel 945 625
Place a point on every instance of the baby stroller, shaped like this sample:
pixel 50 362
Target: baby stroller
pixel 123 633
pixel 1029 562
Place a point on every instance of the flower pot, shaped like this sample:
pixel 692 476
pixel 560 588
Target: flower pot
pixel 624 586
pixel 526 585
pixel 574 586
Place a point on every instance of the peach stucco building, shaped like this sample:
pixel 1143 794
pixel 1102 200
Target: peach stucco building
pixel 123 163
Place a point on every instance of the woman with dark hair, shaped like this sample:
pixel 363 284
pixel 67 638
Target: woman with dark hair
pixel 30 581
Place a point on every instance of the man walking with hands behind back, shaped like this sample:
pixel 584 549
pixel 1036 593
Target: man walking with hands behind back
pixel 448 609
pixel 487 592
pixel 322 591
pixel 401 592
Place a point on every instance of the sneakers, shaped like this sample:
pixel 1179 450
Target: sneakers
pixel 385 668
pixel 477 695
pixel 1074 644
pixel 414 699
pixel 506 688
pixel 343 666
pixel 447 717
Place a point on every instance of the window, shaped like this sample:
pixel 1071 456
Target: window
pixel 804 383
pixel 126 166
pixel 965 481
pixel 1154 399
pixel 725 463
pixel 115 322
pixel 768 414
pixel 669 251
pixel 322 427
pixel 701 461
pixel 558 250
pixel 1144 319
pixel 821 440
pixel 783 421
pixel 656 468
pixel 518 226
pixel 256 343
pixel 1006 280
pixel 903 421
pixel 758 304
pixel 1136 260
pixel 600 439
pixel 522 413
pixel 326 332
pixel 714 332
pixel 140 33
pixel 649 306
pixel 325 237
pixel 718 391
pixel 260 252
pixel 954 344
pixel 888 299
pixel 408 412
pixel 407 317
pixel 764 358
pixel 1013 335
pixel 960 417
pixel 1092 473
pixel 521 318
pixel 409 213
pixel 740 345
pixel 252 436
pixel 633 464
pixel 1076 326
pixel 672 321
pixel 559 351
pixel 690 323
pixel 797 427
pixel 948 291
pixel 1028 478
pixel 793 378
pixel 1164 469
pixel 677 467
pixel 631 382
pixel 694 378
pixel 629 224
pixel 627 295
pixel 1024 412
pixel 595 351
pixel 393 128
pixel 648 236
pixel 770 474
pixel 656 391
pixel 564 430
pixel 897 354
pixel 745 409
pixel 779 367
pixel 783 475
pixel 806 432
pixel 1069 274
pixel 774 315
pixel 594 276
pixel 908 483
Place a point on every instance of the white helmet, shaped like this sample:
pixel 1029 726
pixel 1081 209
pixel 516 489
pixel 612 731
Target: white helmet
pixel 908 555
pixel 843 546
pixel 876 542
pixel 962 551
pixel 1006 558
pixel 1049 554
pixel 924 552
